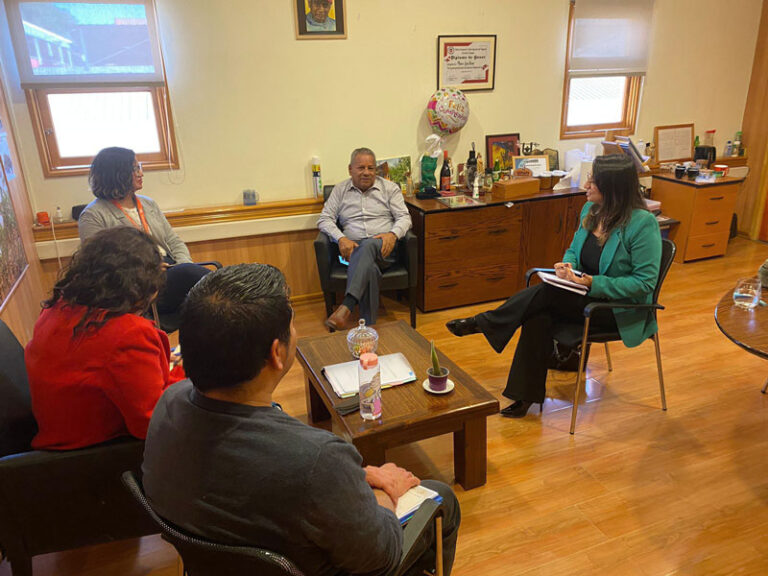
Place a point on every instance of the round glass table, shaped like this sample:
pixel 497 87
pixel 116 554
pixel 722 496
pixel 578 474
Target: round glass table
pixel 746 328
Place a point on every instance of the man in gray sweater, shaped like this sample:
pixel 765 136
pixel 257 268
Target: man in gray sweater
pixel 224 462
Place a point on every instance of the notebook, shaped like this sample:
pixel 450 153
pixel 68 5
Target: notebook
pixel 561 283
pixel 409 502
pixel 344 379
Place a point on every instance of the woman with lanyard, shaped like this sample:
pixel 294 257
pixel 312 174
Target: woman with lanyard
pixel 115 178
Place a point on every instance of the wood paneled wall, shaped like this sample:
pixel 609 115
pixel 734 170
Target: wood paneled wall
pixel 749 206
pixel 23 307
pixel 292 252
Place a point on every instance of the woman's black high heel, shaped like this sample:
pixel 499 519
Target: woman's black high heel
pixel 519 408
pixel 463 326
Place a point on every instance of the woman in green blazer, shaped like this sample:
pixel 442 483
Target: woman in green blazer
pixel 616 250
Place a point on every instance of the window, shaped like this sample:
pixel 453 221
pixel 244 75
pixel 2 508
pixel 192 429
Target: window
pixel 605 65
pixel 94 77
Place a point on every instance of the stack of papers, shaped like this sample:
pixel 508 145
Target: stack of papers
pixel 409 502
pixel 564 284
pixel 344 379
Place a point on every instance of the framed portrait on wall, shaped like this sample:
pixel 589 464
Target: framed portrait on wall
pixel 502 147
pixel 317 19
pixel 466 62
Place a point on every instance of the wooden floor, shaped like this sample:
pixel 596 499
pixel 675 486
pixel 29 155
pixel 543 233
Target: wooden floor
pixel 637 491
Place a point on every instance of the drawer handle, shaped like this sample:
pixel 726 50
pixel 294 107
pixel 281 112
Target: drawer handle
pixel 717 197
pixel 496 232
pixel 712 223
pixel 449 237
pixel 707 245
pixel 456 284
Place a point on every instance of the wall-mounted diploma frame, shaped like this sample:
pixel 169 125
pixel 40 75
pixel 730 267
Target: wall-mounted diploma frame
pixel 466 62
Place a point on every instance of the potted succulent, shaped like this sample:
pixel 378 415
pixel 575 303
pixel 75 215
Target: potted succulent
pixel 438 375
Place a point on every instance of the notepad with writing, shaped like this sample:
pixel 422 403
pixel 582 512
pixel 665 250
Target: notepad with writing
pixel 343 377
pixel 409 502
pixel 561 283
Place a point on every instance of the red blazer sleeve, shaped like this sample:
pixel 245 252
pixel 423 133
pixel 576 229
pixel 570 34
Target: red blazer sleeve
pixel 139 373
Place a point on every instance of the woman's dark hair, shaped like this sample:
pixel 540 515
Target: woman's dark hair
pixel 615 176
pixel 111 176
pixel 229 321
pixel 115 272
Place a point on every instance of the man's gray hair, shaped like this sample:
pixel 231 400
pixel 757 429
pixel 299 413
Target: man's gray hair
pixel 361 152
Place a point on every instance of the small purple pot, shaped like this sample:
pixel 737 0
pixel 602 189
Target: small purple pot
pixel 438 383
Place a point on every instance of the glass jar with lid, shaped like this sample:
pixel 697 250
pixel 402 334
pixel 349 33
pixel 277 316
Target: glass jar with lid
pixel 362 339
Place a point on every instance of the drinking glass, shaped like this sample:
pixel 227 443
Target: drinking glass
pixel 746 295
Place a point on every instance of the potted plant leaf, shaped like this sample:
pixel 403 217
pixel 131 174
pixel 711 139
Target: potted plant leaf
pixel 438 375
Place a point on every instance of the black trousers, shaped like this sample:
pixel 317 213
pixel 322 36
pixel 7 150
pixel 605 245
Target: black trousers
pixel 179 280
pixel 537 310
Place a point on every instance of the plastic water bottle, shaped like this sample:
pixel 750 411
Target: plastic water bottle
pixel 370 386
pixel 317 182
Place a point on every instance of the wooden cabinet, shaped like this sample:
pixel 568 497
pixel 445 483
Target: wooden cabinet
pixel 479 254
pixel 704 211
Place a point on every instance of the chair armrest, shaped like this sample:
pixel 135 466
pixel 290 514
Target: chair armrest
pixel 210 263
pixel 532 271
pixel 325 251
pixel 421 521
pixel 409 248
pixel 592 306
pixel 59 500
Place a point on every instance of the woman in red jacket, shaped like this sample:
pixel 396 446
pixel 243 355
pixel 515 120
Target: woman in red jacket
pixel 96 367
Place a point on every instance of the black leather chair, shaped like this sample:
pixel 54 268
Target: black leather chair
pixel 333 274
pixel 580 337
pixel 205 558
pixel 170 321
pixel 54 501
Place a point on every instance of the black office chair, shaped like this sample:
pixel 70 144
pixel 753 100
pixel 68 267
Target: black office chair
pixel 54 501
pixel 400 276
pixel 580 337
pixel 205 558
pixel 169 322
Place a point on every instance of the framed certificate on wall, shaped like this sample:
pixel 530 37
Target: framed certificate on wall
pixel 466 62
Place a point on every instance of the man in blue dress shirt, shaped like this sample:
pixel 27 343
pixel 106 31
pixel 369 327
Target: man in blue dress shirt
pixel 366 216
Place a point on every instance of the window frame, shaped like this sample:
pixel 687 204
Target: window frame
pixel 630 107
pixel 55 165
pixel 37 90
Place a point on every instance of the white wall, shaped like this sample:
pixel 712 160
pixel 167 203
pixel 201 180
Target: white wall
pixel 252 104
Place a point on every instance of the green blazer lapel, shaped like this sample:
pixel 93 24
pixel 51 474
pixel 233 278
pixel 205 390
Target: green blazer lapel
pixel 609 251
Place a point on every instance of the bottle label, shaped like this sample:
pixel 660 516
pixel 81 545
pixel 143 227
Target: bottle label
pixel 445 182
pixel 370 397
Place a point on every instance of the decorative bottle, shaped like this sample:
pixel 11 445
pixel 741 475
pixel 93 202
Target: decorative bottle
pixel 370 386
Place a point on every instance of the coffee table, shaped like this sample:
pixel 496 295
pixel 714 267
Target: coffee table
pixel 409 413
pixel 746 328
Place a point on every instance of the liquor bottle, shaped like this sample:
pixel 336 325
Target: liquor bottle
pixel 471 169
pixel 445 173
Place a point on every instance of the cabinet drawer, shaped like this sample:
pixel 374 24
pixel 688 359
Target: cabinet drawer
pixel 481 237
pixel 706 224
pixel 715 201
pixel 705 246
pixel 450 288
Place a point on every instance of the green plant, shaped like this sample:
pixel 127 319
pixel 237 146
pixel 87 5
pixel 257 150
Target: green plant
pixel 436 369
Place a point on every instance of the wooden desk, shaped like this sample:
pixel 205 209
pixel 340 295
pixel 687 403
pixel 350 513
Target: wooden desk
pixel 477 254
pixel 745 328
pixel 409 413
pixel 704 211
